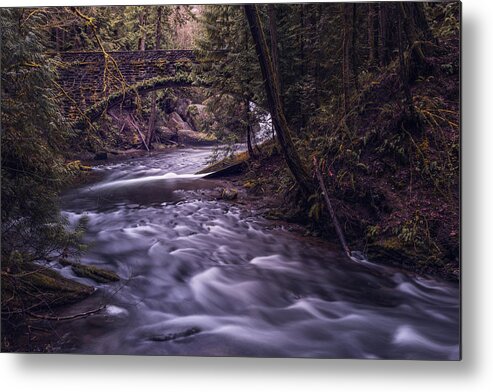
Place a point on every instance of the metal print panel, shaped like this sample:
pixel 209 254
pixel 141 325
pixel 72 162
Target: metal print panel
pixel 262 180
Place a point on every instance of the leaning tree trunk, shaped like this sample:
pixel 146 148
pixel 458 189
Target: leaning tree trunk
pixel 273 98
pixel 273 44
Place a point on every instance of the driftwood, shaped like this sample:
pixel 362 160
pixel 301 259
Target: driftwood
pixel 337 226
pixel 132 121
pixel 63 318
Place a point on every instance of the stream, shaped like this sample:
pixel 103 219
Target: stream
pixel 206 277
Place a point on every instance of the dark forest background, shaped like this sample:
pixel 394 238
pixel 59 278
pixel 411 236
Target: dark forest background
pixel 370 90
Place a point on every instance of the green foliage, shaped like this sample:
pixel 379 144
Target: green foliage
pixel 444 18
pixel 372 143
pixel 33 135
pixel 416 233
pixel 372 232
pixel 225 36
pixel 119 27
pixel 317 206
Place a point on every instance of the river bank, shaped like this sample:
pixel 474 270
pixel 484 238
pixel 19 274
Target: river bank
pixel 203 275
pixel 263 184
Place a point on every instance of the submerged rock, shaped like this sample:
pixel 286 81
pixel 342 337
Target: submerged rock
pixel 175 335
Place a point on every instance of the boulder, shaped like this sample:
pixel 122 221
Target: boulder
pixel 175 122
pixel 199 117
pixel 229 194
pixel 166 133
pixel 187 136
pixel 181 106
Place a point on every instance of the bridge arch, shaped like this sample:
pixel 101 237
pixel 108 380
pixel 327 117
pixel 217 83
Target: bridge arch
pixel 91 80
pixel 94 112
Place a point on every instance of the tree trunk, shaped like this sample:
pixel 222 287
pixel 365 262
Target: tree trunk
pixel 273 98
pixel 415 13
pixel 404 68
pixel 317 77
pixel 345 58
pixel 152 119
pixel 372 55
pixel 302 102
pixel 142 22
pixel 251 153
pixel 352 50
pixel 383 50
pixel 274 50
pixel 404 72
pixel 417 31
pixel 159 33
pixel 273 43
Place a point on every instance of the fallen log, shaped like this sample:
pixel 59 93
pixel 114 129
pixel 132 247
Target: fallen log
pixel 229 170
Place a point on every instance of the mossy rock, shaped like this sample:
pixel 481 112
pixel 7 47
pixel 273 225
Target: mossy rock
pixel 99 275
pixel 31 286
pixel 77 165
pixel 189 137
pixel 229 194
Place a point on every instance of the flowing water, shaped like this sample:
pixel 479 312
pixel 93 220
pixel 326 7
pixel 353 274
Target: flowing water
pixel 203 277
